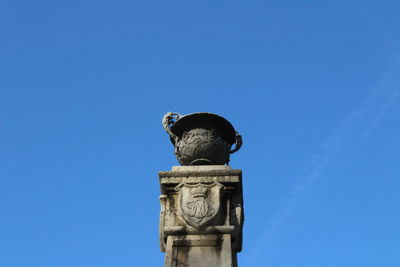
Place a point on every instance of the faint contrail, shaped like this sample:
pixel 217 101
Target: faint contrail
pixel 349 136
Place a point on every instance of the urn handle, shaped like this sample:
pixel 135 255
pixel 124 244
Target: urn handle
pixel 238 143
pixel 169 119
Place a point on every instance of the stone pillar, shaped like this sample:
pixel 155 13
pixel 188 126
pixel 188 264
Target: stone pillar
pixel 201 216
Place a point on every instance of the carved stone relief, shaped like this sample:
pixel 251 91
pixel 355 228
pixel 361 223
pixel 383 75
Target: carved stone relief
pixel 200 204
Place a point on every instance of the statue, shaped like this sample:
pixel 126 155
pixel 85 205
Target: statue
pixel 201 138
pixel 201 217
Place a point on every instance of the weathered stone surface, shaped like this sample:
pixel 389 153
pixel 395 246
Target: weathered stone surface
pixel 201 209
pixel 200 168
pixel 197 174
pixel 200 204
pixel 200 251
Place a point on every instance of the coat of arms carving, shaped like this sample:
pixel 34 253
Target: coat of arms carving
pixel 199 204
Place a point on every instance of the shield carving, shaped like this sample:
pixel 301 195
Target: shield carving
pixel 199 204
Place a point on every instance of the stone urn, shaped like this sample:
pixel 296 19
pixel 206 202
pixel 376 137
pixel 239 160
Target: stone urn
pixel 201 138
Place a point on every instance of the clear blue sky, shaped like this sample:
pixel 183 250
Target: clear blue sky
pixel 313 87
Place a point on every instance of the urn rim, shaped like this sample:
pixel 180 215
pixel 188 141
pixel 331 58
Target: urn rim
pixel 205 120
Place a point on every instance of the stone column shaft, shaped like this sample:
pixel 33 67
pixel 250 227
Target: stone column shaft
pixel 201 216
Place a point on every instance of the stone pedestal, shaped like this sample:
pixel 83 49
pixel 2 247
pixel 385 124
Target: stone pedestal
pixel 201 216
